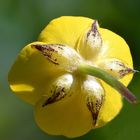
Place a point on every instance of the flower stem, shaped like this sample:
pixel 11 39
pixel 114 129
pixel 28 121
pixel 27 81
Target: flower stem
pixel 109 79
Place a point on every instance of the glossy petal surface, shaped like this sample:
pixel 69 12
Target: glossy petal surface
pixel 70 116
pixel 71 112
pixel 31 74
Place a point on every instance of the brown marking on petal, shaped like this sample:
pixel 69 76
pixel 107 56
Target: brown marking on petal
pixel 47 51
pixel 94 28
pixel 60 46
pixel 58 94
pixel 94 107
pixel 125 70
pixel 94 32
pixel 42 47
pixel 51 60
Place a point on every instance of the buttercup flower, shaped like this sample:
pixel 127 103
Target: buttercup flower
pixel 71 76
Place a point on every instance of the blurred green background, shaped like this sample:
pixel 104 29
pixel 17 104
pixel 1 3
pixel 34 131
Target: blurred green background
pixel 20 23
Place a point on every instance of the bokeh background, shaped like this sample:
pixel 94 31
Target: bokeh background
pixel 20 23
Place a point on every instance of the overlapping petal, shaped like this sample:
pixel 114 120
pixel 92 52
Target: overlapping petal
pixel 69 104
pixel 116 47
pixel 31 74
pixel 65 30
pixel 72 116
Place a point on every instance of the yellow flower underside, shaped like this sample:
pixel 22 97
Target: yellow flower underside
pixel 31 75
pixel 67 30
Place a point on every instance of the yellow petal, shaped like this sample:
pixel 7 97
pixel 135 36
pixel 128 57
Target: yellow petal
pixel 111 106
pixel 69 117
pixel 115 47
pixel 65 30
pixel 31 74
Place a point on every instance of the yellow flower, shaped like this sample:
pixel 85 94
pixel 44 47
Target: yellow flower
pixel 66 76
